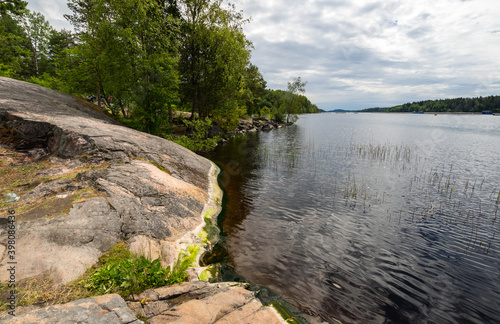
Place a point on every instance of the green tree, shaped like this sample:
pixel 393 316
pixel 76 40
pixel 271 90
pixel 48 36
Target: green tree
pixel 292 101
pixel 37 29
pixel 92 20
pixel 213 57
pixel 128 48
pixel 15 48
pixel 254 88
pixel 59 44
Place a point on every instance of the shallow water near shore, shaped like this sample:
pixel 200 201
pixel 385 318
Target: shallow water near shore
pixel 369 218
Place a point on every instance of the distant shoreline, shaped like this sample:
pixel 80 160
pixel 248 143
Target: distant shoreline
pixel 411 113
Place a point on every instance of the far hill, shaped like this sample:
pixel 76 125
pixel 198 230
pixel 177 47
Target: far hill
pixel 467 105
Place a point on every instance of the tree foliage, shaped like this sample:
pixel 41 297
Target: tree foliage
pixel 254 88
pixel 128 48
pixel 285 105
pixel 213 57
pixel 15 7
pixel 15 49
pixel 37 29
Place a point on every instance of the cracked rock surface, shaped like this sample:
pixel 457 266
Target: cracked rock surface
pixel 189 302
pixel 202 302
pixel 107 309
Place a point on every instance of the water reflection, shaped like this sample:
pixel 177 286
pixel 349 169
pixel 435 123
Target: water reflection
pixel 369 218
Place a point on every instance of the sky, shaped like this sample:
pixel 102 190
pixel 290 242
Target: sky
pixel 359 54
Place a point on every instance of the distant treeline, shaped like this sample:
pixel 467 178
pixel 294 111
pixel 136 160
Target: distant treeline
pixel 470 105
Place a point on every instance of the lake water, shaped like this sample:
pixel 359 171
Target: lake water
pixel 370 218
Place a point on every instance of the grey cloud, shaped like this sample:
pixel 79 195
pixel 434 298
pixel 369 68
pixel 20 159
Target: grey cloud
pixel 332 3
pixel 369 8
pixel 424 16
pixel 419 32
pixel 53 11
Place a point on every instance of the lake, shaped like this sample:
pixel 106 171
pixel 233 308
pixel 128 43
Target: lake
pixel 369 218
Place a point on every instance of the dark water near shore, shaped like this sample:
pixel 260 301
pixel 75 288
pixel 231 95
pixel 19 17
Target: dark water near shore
pixel 370 218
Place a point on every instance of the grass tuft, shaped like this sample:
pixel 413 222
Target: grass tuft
pixel 117 271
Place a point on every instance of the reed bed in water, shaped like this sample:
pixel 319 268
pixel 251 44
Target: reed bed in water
pixel 429 195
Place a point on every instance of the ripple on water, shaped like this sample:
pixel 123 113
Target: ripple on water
pixel 371 218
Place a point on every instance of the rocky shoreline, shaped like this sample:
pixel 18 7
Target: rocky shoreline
pixel 252 125
pixel 86 183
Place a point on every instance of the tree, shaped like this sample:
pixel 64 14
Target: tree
pixel 37 29
pixel 254 88
pixel 292 103
pixel 128 48
pixel 15 48
pixel 213 56
pixel 59 43
pixel 289 102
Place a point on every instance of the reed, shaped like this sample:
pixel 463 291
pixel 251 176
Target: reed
pixel 434 193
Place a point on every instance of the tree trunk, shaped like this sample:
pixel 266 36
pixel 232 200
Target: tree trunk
pixel 170 114
pixel 35 60
pixel 125 115
pixel 98 97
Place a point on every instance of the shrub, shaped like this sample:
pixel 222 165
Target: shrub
pixel 119 271
pixel 198 139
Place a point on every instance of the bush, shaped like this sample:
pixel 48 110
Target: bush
pixel 119 271
pixel 198 140
pixel 265 112
pixel 279 117
pixel 46 80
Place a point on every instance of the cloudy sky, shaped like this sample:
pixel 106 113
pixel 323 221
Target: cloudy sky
pixel 359 54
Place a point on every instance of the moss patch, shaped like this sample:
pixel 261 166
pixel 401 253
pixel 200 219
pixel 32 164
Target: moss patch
pixel 156 164
pixel 285 313
pixel 54 206
pixel 211 273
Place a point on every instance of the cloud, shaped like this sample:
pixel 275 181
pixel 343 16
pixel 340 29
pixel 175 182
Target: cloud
pixel 358 54
pixel 53 11
pixel 362 53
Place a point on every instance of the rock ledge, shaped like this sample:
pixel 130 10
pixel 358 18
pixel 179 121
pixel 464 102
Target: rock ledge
pixel 195 302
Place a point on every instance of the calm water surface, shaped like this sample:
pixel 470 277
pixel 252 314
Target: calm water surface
pixel 370 218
